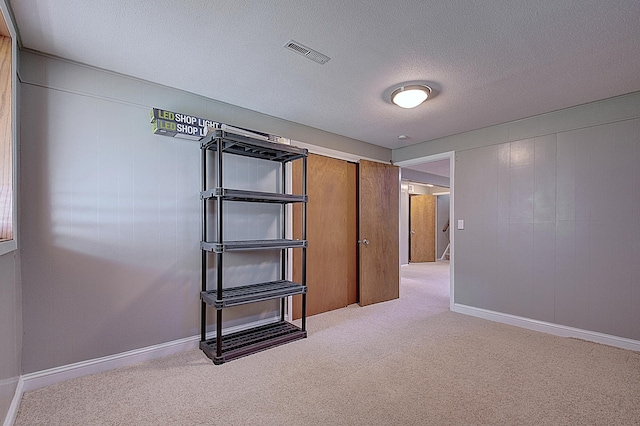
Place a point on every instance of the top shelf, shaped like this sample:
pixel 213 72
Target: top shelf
pixel 249 147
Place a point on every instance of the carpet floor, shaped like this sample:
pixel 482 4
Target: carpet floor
pixel 409 361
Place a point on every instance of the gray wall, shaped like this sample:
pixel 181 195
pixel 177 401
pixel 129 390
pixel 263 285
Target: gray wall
pixel 10 328
pixel 552 216
pixel 111 216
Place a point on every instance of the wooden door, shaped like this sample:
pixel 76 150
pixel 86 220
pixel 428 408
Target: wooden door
pixel 379 232
pixel 422 236
pixel 331 233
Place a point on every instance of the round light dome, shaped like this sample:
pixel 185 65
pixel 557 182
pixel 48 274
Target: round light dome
pixel 410 96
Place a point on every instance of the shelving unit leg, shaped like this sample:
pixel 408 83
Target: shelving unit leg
pixel 203 272
pixel 220 240
pixel 283 224
pixel 304 249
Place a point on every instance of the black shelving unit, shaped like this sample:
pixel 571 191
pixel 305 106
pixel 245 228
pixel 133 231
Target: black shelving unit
pixel 226 347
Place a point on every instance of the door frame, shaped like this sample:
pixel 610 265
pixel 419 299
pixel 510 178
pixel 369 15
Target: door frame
pixel 451 156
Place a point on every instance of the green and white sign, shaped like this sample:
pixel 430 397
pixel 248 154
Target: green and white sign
pixel 175 124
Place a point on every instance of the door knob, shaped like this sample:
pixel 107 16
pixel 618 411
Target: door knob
pixel 365 242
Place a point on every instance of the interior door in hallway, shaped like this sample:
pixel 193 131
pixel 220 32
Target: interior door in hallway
pixel 379 232
pixel 422 222
pixel 331 232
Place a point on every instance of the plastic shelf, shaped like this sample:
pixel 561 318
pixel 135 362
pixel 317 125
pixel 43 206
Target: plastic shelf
pixel 251 245
pixel 215 291
pixel 252 293
pixel 242 343
pixel 249 147
pixel 252 196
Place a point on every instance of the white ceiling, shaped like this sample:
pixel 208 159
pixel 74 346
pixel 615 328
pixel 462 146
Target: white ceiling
pixel 490 62
pixel 439 167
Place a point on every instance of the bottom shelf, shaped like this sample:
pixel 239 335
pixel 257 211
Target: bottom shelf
pixel 236 345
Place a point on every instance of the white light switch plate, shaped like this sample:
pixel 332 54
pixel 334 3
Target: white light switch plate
pixel 460 223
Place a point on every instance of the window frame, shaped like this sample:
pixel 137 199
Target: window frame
pixel 8 246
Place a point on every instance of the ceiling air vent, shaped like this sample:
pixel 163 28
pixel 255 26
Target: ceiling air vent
pixel 300 49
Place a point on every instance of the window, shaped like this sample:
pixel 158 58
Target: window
pixel 7 145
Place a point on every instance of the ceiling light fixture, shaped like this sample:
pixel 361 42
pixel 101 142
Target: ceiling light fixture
pixel 410 96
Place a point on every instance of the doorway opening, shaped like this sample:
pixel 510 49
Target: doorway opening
pixel 428 215
pixel 426 212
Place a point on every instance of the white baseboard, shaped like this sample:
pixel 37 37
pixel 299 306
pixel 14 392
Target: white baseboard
pixel 39 379
pixel 48 377
pixel 15 404
pixel 549 328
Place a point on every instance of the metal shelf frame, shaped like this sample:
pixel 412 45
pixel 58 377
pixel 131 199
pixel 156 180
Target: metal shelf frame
pixel 252 196
pixel 235 345
pixel 227 246
pixel 224 348
pixel 252 293
pixel 250 147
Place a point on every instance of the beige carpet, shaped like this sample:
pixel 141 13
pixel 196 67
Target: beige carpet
pixel 404 362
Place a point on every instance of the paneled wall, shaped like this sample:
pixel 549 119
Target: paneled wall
pixel 552 226
pixel 110 213
pixel 552 216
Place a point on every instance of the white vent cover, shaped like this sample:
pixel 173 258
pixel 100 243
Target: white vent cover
pixel 300 49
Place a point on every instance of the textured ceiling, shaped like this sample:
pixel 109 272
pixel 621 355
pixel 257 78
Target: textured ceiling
pixel 490 61
pixel 439 167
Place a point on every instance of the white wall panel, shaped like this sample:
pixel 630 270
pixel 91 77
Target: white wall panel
pixel 502 275
pixel 584 279
pixel 521 181
pixel 566 208
pixel 566 284
pixel 545 167
pixel 519 283
pixel 487 261
pixel 583 174
pixel 634 233
pixel 503 184
pixel 543 272
pixel 464 258
pixel 566 177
